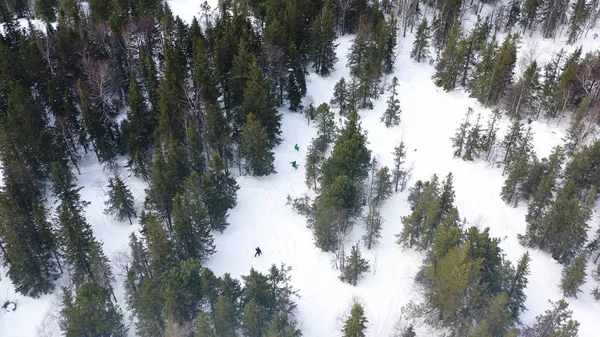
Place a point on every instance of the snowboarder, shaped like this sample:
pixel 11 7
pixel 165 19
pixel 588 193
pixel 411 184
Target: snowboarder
pixel 296 147
pixel 294 165
pixel 258 252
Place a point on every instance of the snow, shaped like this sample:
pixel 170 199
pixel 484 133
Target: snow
pixel 261 218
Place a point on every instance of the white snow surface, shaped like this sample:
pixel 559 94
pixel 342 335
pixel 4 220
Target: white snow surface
pixel 261 218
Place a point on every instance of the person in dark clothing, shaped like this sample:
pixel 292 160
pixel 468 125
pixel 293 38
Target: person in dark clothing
pixel 258 252
pixel 294 165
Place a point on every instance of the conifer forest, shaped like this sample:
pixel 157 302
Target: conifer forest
pixel 287 168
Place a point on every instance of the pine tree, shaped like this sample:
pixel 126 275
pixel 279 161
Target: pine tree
pixel 204 77
pixel 46 9
pixel 327 129
pixel 225 317
pixel 398 172
pixel 314 158
pixel 420 51
pixel 356 324
pixel 258 101
pixel 577 20
pixel 473 142
pixel 322 41
pixel 447 68
pixel 253 320
pixel 182 291
pixel 91 313
pixel 471 47
pixel 120 199
pixel 489 139
pixel 191 227
pixel 218 131
pixel 204 327
pixel 542 196
pixel 513 137
pixel 391 116
pixel 255 148
pixel 529 14
pixel 161 250
pixel 373 222
pixel 553 14
pixel 554 322
pixel 138 130
pixel 480 83
pixel 296 83
pixel 460 138
pixel 573 276
pixel 524 95
pixel 219 193
pixel 516 177
pixel 515 289
pixel 387 43
pixel 341 97
pixel 354 267
pixel 514 13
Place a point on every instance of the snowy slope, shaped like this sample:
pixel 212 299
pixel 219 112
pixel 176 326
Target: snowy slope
pixel 430 117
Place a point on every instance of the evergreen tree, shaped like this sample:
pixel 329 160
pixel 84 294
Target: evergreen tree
pixel 471 47
pixel 120 199
pixel 323 36
pixel 491 134
pixel 259 102
pixel 314 158
pixel 191 227
pixel 529 13
pixel 138 130
pixel 225 317
pixel 204 327
pixel 553 14
pixel 473 142
pixel 524 95
pixel 542 196
pixel 391 116
pixel 341 97
pixel 460 138
pixel 373 222
pixel 98 126
pixel 513 183
pixel 218 131
pixel 296 88
pixel 513 137
pixel 91 314
pixel 204 77
pixel 554 322
pixel 356 324
pixel 354 267
pixel 398 172
pixel 182 291
pixel 46 9
pixel 447 68
pixel 253 320
pixel 161 250
pixel 515 289
pixel 577 20
pixel 479 85
pixel 573 276
pixel 420 51
pixel 219 193
pixel 513 15
pixel 255 148
pixel 327 129
pixel 562 231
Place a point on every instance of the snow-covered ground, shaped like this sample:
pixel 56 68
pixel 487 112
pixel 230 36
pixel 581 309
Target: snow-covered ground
pixel 261 218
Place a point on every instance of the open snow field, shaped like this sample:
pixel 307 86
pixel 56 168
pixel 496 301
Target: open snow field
pixel 430 117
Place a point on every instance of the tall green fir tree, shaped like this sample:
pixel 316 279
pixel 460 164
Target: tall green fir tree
pixel 577 20
pixel 120 201
pixel 556 321
pixel 420 51
pixel 474 141
pixel 573 276
pixel 219 192
pixel 341 97
pixel 90 313
pixel 460 137
pixel 323 45
pixel 356 323
pixel 391 116
pixel 354 267
pixel 511 191
pixel 447 67
pixel 255 149
pixel 399 173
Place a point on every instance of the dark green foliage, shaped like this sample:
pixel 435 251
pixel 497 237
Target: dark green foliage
pixel 191 225
pixel 204 77
pixel 341 97
pixel 447 67
pixel 554 322
pixel 195 149
pixel 373 222
pixel 161 250
pixel 399 174
pixel 314 159
pixel 120 200
pixel 255 148
pixel 219 193
pixel 218 133
pixel 523 98
pixel 391 116
pixel 138 130
pixel 46 9
pixel 584 168
pixel 322 46
pixel 420 51
pixel 204 327
pixel 259 102
pixel 225 317
pixel 296 83
pixel 460 138
pixel 573 276
pixel 474 141
pixel 356 323
pixel 562 230
pixel 350 156
pixel 182 291
pixel 511 191
pixel 327 130
pixel 91 313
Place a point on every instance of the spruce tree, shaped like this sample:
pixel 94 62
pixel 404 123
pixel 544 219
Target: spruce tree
pixel 182 291
pixel 323 36
pixel 553 322
pixel 327 129
pixel 46 9
pixel 204 326
pixel 398 172
pixel 219 191
pixel 356 324
pixel 354 266
pixel 460 137
pixel 373 222
pixel 191 226
pixel 255 148
pixel 314 158
pixel 511 191
pixel 391 116
pixel 574 275
pixel 341 97
pixel 515 289
pixel 218 131
pixel 577 20
pixel 138 130
pixel 225 319
pixel 420 51
pixel 524 96
pixel 447 67
pixel 479 85
pixel 91 313
pixel 473 142
pixel 296 83
pixel 120 199
pixel 161 250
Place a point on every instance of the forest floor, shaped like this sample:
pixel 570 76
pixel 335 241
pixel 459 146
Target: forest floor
pixel 261 218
